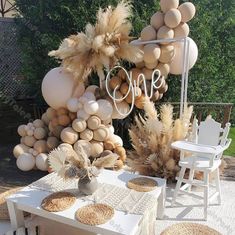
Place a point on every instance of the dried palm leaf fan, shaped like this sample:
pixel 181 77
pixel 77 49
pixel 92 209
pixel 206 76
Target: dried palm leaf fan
pixel 101 45
pixel 151 138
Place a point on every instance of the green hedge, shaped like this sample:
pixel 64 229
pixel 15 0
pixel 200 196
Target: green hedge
pixel 45 23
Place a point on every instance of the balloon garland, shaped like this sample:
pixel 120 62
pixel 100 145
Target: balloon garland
pixel 80 116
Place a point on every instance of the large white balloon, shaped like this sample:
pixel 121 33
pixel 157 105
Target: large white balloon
pixel 57 87
pixel 176 66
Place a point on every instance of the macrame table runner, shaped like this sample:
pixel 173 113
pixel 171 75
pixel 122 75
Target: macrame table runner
pixel 122 199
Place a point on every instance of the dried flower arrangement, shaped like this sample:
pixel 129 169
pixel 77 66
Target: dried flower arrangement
pixel 151 138
pixel 101 45
pixel 71 164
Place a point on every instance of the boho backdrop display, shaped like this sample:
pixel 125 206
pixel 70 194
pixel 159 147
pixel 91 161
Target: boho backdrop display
pixel 80 114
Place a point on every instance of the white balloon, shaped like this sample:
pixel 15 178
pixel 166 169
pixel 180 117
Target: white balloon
pixel 57 87
pixel 73 105
pixel 89 95
pixel 91 107
pixel 25 162
pixel 176 66
pixel 42 162
pixel 82 114
pixel 105 109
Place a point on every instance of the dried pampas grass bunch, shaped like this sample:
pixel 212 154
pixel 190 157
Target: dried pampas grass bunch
pixel 70 164
pixel 101 45
pixel 151 138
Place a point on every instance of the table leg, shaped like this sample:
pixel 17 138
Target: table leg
pixel 161 203
pixel 16 215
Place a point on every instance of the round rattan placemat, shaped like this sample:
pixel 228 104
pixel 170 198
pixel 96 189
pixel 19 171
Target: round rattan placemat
pixel 4 215
pixel 94 214
pixel 142 184
pixel 189 229
pixel 58 201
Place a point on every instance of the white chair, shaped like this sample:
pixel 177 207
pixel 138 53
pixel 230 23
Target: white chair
pixel 206 152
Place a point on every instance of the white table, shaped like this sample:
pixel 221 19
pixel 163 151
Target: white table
pixel 29 199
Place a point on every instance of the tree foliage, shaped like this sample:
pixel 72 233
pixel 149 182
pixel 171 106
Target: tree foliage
pixel 45 23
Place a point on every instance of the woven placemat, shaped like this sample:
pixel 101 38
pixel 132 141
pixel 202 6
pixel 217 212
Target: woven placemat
pixel 58 201
pixel 4 215
pixel 189 229
pixel 142 184
pixel 94 214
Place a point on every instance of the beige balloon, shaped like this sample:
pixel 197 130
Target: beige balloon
pixel 51 113
pixel 151 65
pixel 69 135
pixel 38 123
pixel 29 140
pixel 164 69
pixel 19 149
pixel 123 108
pixel 166 5
pixel 52 142
pixel 181 31
pixel 93 122
pixel 167 53
pixel 172 18
pixel 40 133
pixel 79 125
pixel 148 33
pixel 96 148
pixel 21 130
pixel 101 134
pixel 40 146
pixel 45 119
pixel 187 11
pixel 151 53
pixel 165 33
pixel 157 20
pixel 147 73
pixel 86 135
pixel 57 87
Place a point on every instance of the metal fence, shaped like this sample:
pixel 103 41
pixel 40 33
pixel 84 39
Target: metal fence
pixel 11 83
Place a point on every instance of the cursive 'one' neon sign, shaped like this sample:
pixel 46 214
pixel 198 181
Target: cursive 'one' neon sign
pixel 133 85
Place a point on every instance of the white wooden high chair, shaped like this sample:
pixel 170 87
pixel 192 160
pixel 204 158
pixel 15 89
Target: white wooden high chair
pixel 210 142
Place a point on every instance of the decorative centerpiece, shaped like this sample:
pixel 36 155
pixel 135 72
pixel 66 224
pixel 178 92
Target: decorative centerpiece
pixel 70 164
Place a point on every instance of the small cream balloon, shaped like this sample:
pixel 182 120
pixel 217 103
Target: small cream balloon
pixel 40 133
pixel 165 33
pixel 96 148
pixel 57 87
pixel 86 135
pixel 85 145
pixel 38 123
pixel 167 53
